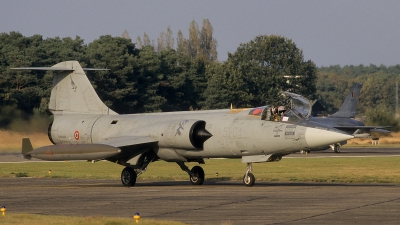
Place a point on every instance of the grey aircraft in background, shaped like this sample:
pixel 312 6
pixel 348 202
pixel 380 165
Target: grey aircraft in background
pixel 84 128
pixel 344 119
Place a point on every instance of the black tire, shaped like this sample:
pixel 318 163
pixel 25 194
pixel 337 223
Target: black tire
pixel 337 149
pixel 128 177
pixel 250 180
pixel 198 177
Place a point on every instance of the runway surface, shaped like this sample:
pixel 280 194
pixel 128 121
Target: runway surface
pixel 211 203
pixel 352 152
pixel 345 152
pixel 214 202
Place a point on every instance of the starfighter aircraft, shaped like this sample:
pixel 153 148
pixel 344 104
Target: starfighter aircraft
pixel 344 119
pixel 84 128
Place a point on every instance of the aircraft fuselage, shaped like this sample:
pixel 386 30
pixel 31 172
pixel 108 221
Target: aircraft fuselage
pixel 234 133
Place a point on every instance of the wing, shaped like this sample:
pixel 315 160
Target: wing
pixel 380 129
pixel 129 142
pixel 132 148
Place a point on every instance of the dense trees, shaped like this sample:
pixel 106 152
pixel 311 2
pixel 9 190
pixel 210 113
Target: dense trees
pixel 184 74
pixel 147 78
pixel 377 99
pixel 378 89
pixel 257 72
pixel 29 91
pixel 116 87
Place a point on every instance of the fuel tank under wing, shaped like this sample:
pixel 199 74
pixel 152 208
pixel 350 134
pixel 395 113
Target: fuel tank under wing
pixel 102 150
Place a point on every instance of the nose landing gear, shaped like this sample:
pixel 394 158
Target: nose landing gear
pixel 248 178
pixel 335 148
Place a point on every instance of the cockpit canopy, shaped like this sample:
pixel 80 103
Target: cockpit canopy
pixel 299 103
pixel 296 108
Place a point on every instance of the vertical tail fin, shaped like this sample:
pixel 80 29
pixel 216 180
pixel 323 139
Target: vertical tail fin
pixel 26 147
pixel 72 92
pixel 348 108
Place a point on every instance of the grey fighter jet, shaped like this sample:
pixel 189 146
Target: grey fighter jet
pixel 84 128
pixel 344 119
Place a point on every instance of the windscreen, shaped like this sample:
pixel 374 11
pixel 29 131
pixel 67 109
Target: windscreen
pixel 299 104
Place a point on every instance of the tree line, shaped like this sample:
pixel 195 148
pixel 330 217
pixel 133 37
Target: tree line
pixel 147 76
pixel 175 74
pixel 377 101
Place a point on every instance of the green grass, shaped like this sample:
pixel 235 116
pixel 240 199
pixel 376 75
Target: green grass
pixel 30 219
pixel 370 146
pixel 344 170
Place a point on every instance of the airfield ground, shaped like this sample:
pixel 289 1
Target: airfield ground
pixel 215 202
pixel 373 199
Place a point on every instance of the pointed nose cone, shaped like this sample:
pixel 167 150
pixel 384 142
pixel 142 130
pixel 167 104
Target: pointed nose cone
pixel 319 138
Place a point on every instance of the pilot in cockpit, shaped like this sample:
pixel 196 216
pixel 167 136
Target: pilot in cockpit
pixel 277 113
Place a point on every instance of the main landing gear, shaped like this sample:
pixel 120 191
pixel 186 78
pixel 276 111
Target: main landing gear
pixel 128 176
pixel 196 173
pixel 248 178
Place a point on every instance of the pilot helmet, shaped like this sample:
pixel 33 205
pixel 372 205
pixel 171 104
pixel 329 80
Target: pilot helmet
pixel 281 108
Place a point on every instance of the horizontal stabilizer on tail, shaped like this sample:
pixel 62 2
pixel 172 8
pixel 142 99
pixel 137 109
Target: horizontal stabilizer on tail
pixel 72 92
pixel 44 68
pixel 55 68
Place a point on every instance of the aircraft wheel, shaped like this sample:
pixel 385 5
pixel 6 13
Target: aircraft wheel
pixel 128 176
pixel 337 149
pixel 198 177
pixel 250 180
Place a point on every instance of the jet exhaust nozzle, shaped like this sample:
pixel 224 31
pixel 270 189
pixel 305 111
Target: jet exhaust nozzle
pixel 199 134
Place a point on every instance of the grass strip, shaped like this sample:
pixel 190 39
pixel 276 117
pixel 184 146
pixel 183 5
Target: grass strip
pixel 32 219
pixel 342 170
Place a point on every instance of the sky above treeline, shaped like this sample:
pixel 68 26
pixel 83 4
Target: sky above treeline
pixel 339 32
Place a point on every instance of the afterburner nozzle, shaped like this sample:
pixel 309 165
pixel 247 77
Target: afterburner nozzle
pixel 318 137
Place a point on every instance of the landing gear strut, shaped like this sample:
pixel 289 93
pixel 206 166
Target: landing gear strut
pixel 335 148
pixel 196 173
pixel 248 178
pixel 128 176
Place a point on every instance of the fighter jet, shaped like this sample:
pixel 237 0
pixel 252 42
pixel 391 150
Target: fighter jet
pixel 344 119
pixel 84 128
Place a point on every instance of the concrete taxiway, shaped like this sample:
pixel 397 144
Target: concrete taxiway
pixel 214 202
pixel 7 157
pixel 352 152
pixel 211 203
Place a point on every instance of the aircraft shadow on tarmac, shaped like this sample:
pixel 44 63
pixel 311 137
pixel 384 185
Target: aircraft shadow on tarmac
pixel 259 184
pixel 71 183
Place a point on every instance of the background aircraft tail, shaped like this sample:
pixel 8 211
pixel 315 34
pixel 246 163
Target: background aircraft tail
pixel 348 108
pixel 72 92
